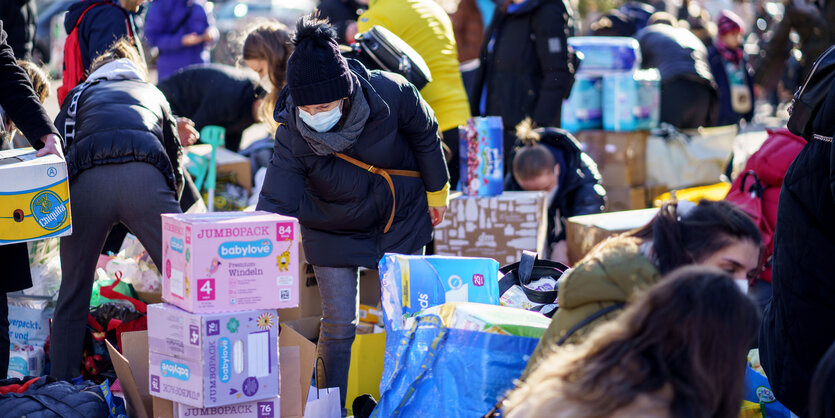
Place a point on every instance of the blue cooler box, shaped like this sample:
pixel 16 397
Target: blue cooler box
pixel 584 108
pixel 631 100
pixel 481 155
pixel 413 283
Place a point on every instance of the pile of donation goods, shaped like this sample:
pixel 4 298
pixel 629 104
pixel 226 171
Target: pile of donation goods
pixel 231 316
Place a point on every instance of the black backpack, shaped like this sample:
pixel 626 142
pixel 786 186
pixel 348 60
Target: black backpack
pixel 808 98
pixel 380 49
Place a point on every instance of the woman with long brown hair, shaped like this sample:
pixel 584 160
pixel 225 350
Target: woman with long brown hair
pixel 266 50
pixel 677 351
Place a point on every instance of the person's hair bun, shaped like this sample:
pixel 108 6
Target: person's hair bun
pixel 311 28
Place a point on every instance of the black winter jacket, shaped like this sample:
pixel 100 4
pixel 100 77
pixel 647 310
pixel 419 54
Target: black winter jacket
pixel 122 121
pixel 101 26
pixel 676 52
pixel 341 13
pixel 21 18
pixel 48 398
pixel 342 208
pixel 213 94
pixel 580 190
pixel 797 326
pixel 525 69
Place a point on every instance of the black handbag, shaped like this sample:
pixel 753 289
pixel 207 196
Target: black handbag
pixel 530 269
pixel 380 49
pixel 808 98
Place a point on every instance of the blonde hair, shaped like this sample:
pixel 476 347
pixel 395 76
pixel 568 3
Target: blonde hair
pixel 270 41
pixel 123 48
pixel 40 80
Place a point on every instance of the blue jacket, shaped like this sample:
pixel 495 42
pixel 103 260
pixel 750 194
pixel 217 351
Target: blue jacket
pixel 49 398
pixel 166 23
pixel 101 26
pixel 342 208
pixel 727 115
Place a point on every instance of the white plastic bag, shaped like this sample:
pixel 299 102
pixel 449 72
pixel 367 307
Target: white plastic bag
pixel 323 403
pixel 685 159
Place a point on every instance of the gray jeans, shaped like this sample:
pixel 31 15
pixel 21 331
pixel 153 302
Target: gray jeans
pixel 134 194
pixel 339 288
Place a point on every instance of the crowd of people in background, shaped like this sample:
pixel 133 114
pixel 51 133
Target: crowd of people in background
pixel 366 162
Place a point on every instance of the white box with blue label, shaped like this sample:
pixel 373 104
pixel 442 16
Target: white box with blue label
pixel 34 196
pixel 584 107
pixel 412 283
pixel 207 360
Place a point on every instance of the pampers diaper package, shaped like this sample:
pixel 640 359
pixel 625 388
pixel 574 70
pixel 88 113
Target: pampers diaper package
pixel 481 152
pixel 631 100
pixel 206 360
pixel 411 284
pixel 34 196
pixel 220 262
pixel 584 107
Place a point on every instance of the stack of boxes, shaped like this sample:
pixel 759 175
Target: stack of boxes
pixel 214 342
pixel 612 107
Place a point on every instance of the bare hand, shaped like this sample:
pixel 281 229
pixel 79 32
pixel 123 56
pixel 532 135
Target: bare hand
pixel 188 135
pixel 210 35
pixel 351 32
pixel 437 214
pixel 192 39
pixel 52 145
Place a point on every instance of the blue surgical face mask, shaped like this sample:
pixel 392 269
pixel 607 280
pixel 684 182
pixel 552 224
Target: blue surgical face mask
pixel 322 121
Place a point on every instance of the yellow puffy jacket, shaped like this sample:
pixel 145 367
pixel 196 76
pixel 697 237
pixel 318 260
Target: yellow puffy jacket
pixel 426 27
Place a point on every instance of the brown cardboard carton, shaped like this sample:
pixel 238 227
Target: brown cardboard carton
pixel 623 198
pixel 653 192
pixel 620 156
pixel 292 346
pixel 584 232
pixel 227 162
pixel 498 227
pixel 310 302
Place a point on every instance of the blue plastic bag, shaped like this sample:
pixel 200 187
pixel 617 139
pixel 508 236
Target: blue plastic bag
pixel 413 283
pixel 758 390
pixel 434 371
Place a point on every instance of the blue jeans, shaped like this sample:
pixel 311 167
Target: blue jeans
pixel 339 288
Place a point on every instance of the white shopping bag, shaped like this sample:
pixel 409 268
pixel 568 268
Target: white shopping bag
pixel 323 403
pixel 685 159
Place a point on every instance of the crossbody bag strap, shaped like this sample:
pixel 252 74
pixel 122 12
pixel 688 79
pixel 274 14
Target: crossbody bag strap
pixel 385 174
pixel 589 320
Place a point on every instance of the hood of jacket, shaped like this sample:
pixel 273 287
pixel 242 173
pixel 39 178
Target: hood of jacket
pixel 120 69
pixel 614 271
pixel 78 8
pixel 285 111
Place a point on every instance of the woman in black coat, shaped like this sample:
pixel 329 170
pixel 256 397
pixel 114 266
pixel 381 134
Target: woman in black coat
pixel 21 104
pixel 123 162
pixel 525 68
pixel 358 161
pixel 798 324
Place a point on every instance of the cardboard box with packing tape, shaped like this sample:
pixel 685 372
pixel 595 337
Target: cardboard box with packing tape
pixel 34 197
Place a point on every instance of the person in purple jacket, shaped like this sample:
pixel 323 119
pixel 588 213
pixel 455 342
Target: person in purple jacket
pixel 181 31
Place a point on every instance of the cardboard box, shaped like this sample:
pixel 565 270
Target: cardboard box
pixel 584 232
pixel 621 198
pixel 620 156
pixel 499 227
pixel 370 314
pixel 34 197
pixel 205 360
pixel 310 302
pixel 267 408
pixel 131 366
pixel 216 262
pixel 227 162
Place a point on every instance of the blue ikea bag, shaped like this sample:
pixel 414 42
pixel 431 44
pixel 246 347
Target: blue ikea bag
pixel 758 390
pixel 431 370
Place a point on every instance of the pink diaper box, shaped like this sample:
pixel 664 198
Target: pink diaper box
pixel 268 408
pixel 209 360
pixel 221 262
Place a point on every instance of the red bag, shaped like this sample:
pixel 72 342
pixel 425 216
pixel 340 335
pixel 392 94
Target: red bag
pixel 73 73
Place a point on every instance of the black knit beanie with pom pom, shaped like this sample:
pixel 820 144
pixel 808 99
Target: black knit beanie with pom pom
pixel 316 72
